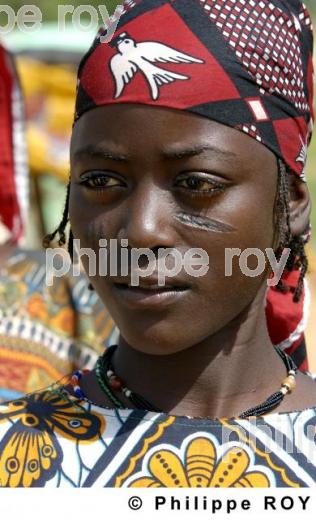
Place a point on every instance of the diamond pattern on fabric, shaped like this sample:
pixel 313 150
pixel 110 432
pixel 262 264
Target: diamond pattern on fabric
pixel 266 41
pixel 251 130
pixel 305 18
pixel 257 109
pixel 129 4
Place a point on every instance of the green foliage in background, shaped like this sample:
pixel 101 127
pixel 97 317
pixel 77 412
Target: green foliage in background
pixel 311 166
pixel 49 8
pixel 311 5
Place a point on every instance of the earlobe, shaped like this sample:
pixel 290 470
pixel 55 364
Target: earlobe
pixel 300 205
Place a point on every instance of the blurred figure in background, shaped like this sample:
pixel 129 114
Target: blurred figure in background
pixel 45 332
pixel 13 160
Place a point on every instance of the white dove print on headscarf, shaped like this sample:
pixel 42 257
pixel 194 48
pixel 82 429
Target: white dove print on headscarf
pixel 135 57
pixel 303 152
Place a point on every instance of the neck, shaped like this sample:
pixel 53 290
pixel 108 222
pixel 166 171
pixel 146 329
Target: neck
pixel 222 376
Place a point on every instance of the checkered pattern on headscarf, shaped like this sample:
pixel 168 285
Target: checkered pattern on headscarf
pixel 244 63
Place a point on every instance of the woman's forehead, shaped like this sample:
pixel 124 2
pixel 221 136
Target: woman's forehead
pixel 124 129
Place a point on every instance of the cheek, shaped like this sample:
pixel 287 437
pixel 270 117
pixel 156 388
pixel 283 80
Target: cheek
pixel 249 209
pixel 84 225
pixel 90 221
pixel 234 279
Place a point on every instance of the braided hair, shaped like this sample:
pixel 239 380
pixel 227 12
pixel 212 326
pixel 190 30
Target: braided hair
pixel 296 260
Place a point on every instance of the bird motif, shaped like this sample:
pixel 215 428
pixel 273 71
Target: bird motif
pixel 133 57
pixel 302 157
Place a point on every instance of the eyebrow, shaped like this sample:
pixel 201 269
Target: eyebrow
pixel 198 150
pixel 100 152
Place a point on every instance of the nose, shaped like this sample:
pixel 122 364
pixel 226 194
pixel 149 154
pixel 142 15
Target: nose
pixel 148 221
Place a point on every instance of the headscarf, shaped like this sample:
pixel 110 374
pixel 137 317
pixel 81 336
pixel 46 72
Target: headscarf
pixel 245 64
pixel 13 161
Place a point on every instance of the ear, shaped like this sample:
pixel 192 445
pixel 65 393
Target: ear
pixel 300 205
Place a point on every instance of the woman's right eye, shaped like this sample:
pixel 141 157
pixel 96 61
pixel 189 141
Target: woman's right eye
pixel 100 181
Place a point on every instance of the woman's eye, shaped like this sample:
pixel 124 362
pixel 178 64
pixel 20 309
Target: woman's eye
pixel 198 184
pixel 100 181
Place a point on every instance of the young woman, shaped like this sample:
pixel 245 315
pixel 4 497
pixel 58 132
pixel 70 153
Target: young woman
pixel 191 132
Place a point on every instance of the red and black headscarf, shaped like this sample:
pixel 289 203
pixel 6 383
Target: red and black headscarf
pixel 13 161
pixel 247 64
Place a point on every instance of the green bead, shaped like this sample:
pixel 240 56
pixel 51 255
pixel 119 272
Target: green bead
pixel 104 387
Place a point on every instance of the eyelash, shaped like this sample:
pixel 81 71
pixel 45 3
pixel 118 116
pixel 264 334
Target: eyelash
pixel 88 177
pixel 217 186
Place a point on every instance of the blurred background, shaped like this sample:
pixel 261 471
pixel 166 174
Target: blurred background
pixel 47 62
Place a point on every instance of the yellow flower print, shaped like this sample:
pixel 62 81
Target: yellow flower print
pixel 201 468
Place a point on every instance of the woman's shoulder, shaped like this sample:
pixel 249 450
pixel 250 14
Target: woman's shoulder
pixel 58 411
pixel 52 438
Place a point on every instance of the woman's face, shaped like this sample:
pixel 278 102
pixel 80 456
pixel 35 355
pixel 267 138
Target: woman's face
pixel 162 178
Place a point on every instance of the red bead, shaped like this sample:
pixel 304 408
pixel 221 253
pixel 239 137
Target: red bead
pixel 115 383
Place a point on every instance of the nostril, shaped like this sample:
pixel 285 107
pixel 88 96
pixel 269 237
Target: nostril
pixel 155 250
pixel 143 260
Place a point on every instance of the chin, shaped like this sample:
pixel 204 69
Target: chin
pixel 153 344
pixel 161 339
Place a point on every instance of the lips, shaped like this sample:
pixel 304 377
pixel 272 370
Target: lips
pixel 154 287
pixel 149 293
pixel 149 289
pixel 152 282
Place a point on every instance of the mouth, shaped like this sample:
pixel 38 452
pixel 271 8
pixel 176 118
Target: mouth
pixel 150 294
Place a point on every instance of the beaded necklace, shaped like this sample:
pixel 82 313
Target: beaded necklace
pixel 109 383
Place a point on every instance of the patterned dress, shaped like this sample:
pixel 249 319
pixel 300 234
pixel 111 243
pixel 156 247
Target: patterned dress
pixel 46 332
pixel 51 439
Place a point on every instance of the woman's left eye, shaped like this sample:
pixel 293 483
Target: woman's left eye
pixel 199 184
pixel 100 181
